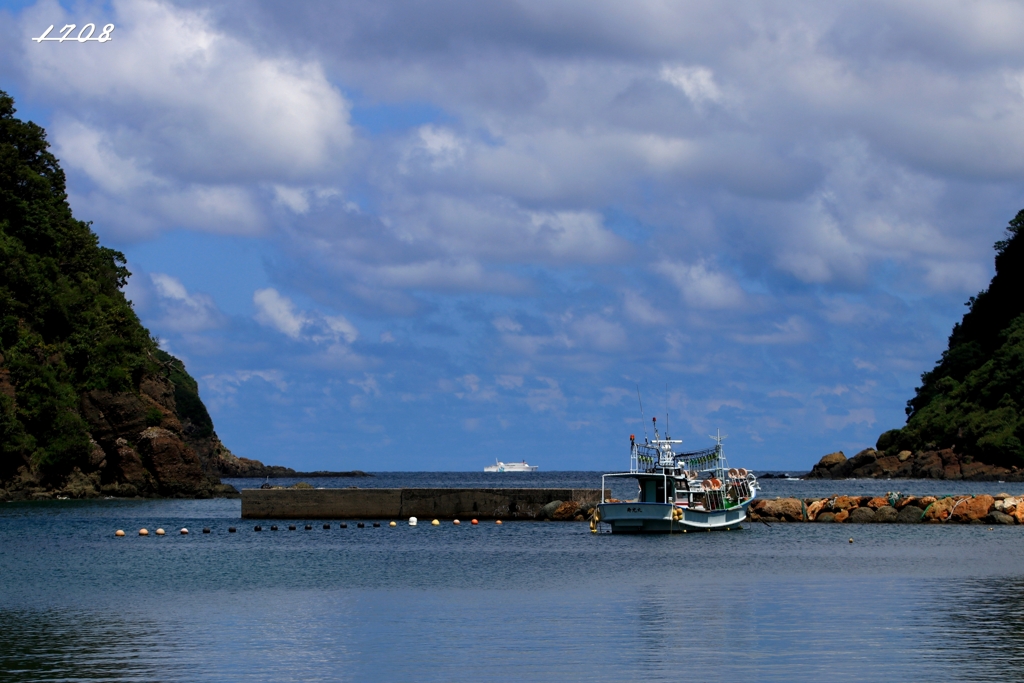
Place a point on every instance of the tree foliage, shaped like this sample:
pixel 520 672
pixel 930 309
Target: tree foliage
pixel 65 325
pixel 972 399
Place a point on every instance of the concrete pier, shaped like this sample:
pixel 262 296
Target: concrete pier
pixel 403 503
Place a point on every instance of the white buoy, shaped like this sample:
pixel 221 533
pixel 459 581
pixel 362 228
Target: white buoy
pixel 412 521
pixel 456 522
pixel 435 523
pixel 184 532
pixel 159 532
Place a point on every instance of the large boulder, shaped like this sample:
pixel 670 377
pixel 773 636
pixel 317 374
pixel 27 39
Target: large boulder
pixel 785 509
pixel 841 516
pixel 814 508
pixel 928 465
pixel 825 517
pixel 878 502
pixel 848 502
pixel 863 515
pixel 175 466
pixel 970 509
pixel 911 514
pixel 886 514
pixel 996 517
pixel 940 510
pixel 566 511
pixel 548 511
pixel 831 466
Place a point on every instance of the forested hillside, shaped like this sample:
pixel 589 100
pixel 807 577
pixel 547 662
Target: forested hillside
pixel 88 404
pixel 971 401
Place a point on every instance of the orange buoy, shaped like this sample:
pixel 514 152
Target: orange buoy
pixel 143 532
pixel 474 522
pixel 119 533
pixel 159 532
pixel 498 521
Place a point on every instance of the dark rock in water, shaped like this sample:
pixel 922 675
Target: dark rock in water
pixel 886 514
pixel 911 514
pixel 996 517
pixel 548 511
pixel 861 516
pixel 826 518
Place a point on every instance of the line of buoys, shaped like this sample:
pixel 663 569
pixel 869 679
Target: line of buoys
pixel 393 524
pixel 474 522
pixel 160 532
pixel 206 529
pixel 435 523
pixel 328 526
pixel 376 525
pixel 231 529
pixel 412 521
pixel 184 531
pixel 456 522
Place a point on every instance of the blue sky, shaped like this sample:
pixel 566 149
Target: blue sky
pixel 426 235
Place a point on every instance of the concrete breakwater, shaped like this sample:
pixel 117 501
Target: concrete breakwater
pixel 893 508
pixel 523 503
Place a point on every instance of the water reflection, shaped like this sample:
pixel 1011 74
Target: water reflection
pixel 63 645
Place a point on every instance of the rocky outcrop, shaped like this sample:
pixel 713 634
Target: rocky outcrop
pixel 139 447
pixel 891 508
pixel 939 464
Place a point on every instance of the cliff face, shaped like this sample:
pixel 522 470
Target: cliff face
pixel 971 402
pixel 89 405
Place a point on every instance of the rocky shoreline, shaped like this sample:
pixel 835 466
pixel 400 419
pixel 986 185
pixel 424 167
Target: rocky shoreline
pixel 937 464
pixel 892 508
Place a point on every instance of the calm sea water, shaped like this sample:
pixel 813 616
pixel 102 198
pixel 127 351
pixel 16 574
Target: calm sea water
pixel 524 601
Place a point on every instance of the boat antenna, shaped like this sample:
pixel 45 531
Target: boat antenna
pixel 666 412
pixel 643 420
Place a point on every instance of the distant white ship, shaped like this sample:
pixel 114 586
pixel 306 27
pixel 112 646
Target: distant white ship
pixel 499 466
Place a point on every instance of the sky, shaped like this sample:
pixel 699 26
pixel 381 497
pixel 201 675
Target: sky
pixel 429 235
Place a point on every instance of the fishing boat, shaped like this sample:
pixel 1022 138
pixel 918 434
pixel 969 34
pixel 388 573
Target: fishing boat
pixel 677 492
pixel 499 466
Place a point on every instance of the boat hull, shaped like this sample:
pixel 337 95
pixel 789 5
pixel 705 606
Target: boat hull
pixel 653 518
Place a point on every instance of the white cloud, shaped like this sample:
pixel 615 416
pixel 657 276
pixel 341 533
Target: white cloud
pixel 700 286
pixel 697 82
pixel 275 310
pixel 182 311
pixel 639 310
pixel 792 331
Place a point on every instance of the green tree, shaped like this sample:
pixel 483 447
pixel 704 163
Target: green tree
pixel 972 399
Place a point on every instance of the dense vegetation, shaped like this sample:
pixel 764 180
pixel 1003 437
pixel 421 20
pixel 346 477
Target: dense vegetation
pixel 971 401
pixel 65 326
